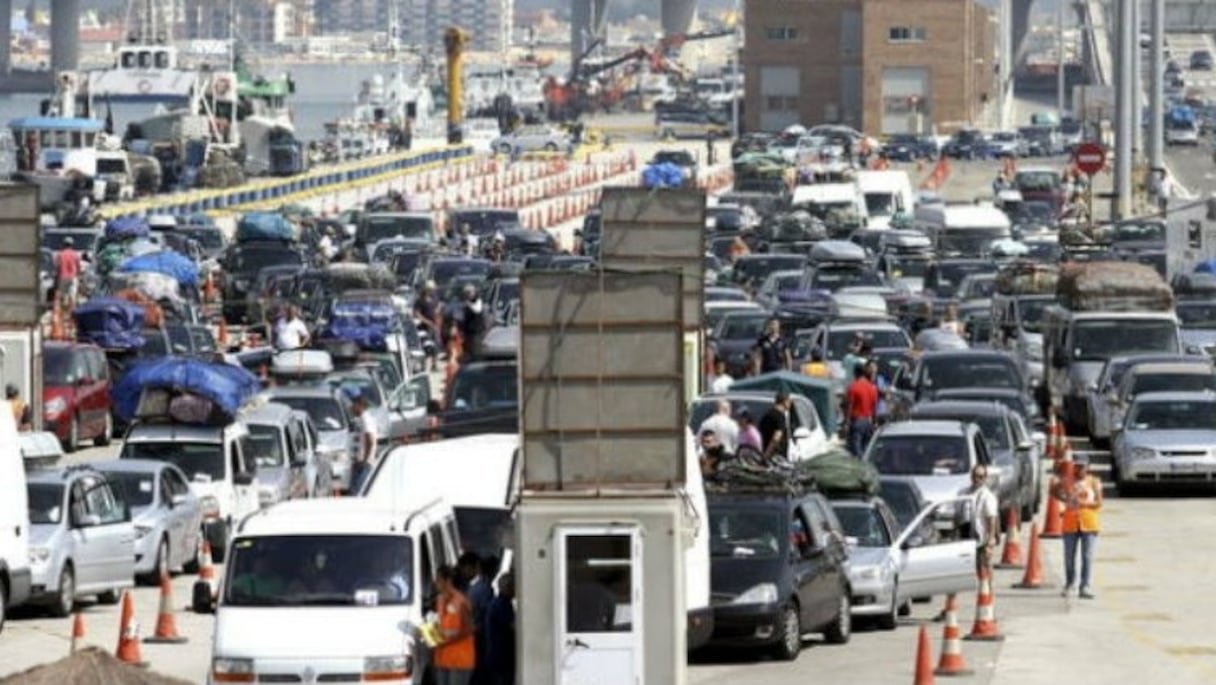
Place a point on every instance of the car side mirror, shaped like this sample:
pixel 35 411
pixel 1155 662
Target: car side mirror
pixel 243 478
pixel 913 542
pixel 1025 446
pixel 179 500
pixel 86 521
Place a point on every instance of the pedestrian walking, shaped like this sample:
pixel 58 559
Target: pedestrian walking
pixel 985 527
pixel 723 425
pixel 500 633
pixel 67 274
pixel 455 655
pixel 361 467
pixel 19 407
pixel 771 352
pixel 775 427
pixel 861 410
pixel 481 594
pixel 1081 494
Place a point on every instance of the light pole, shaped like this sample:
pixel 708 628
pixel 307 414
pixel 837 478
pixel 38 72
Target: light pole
pixel 1060 97
pixel 736 49
pixel 1156 98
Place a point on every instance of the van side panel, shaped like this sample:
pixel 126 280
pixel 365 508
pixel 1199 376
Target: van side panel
pixel 14 515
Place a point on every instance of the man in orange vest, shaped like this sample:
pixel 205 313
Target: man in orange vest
pixel 20 408
pixel 454 656
pixel 1081 495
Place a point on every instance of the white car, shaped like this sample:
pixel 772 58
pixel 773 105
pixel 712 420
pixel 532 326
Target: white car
pixel 531 139
pixel 480 133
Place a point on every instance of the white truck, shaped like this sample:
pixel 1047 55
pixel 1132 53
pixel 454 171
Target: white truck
pixel 886 192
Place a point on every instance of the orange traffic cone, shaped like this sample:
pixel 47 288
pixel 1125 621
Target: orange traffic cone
pixel 1033 578
pixel 77 631
pixel 924 659
pixel 1053 525
pixel 128 634
pixel 951 661
pixel 166 622
pixel 206 570
pixel 1011 555
pixel 985 627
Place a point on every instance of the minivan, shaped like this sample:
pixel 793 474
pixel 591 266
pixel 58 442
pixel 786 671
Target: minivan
pixel 76 393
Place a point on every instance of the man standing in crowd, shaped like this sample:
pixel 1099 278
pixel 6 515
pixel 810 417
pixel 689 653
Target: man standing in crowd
pixel 362 465
pixel 985 528
pixel 293 334
pixel 861 410
pixel 67 274
pixel 771 352
pixel 775 427
pixel 723 426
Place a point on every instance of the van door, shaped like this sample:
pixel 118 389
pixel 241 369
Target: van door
pixel 599 600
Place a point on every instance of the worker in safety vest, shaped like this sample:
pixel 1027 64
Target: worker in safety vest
pixel 1081 494
pixel 19 407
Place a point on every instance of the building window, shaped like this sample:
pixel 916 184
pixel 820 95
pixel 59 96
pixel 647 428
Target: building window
pixel 781 103
pixel 781 33
pixel 906 34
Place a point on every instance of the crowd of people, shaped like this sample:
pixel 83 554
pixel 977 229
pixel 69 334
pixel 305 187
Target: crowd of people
pixel 476 624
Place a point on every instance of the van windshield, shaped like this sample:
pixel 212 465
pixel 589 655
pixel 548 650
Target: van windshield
pixel 880 204
pixel 195 459
pixel 377 228
pixel 264 445
pixel 969 241
pixel 745 532
pixel 320 570
pixel 45 502
pixel 325 412
pixel 1101 340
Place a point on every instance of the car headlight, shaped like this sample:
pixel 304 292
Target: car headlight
pixel 142 531
pixel 227 670
pixel 39 555
pixel 764 593
pixel 210 506
pixel 53 407
pixel 1140 453
pixel 395 667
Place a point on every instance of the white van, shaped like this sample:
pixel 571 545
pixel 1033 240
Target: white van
pixel 820 199
pixel 14 521
pixel 329 590
pixel 962 230
pixel 886 193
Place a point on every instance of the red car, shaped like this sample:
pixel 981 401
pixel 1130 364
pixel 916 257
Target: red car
pixel 76 393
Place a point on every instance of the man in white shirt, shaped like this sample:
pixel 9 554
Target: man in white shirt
pixel 721 380
pixel 985 527
pixel 294 334
pixel 368 442
pixel 723 426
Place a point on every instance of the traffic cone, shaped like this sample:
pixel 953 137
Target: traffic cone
pixel 206 570
pixel 1011 555
pixel 951 662
pixel 985 628
pixel 128 634
pixel 166 622
pixel 77 631
pixel 1053 526
pixel 1057 440
pixel 1033 578
pixel 924 659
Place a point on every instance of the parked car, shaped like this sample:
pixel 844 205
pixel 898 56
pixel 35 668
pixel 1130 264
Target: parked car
pixel 1106 385
pixel 531 139
pixel 670 124
pixel 967 143
pixel 168 517
pixel 909 147
pixel 778 570
pixel 936 455
pixel 1202 60
pixel 1166 440
pixel 890 564
pixel 82 541
pixel 1006 144
pixel 76 393
pixel 330 412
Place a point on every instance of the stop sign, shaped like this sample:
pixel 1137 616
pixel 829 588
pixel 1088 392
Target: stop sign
pixel 1090 158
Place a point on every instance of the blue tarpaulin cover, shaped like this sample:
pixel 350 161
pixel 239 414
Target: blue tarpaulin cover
pixel 229 387
pixel 663 175
pixel 264 226
pixel 110 322
pixel 1208 267
pixel 366 324
pixel 127 227
pixel 167 262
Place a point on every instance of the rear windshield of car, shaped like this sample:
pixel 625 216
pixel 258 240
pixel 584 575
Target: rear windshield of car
pixel 137 488
pixel 1179 382
pixel 326 413
pixel 915 455
pixel 956 372
pixel 864 524
pixel 745 532
pixel 265 445
pixel 486 387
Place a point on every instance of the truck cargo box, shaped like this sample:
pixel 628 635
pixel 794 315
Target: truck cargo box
pixel 1113 286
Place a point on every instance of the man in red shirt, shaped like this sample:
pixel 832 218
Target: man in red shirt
pixel 67 273
pixel 861 409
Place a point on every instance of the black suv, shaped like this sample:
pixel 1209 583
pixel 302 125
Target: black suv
pixel 778 570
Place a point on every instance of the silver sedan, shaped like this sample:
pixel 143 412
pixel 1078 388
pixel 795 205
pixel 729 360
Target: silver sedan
pixel 1167 438
pixel 531 139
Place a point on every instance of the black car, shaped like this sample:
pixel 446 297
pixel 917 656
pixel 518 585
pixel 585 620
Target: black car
pixel 734 337
pixel 1201 60
pixel 483 398
pixel 908 147
pixel 932 372
pixel 965 144
pixel 778 569
pixel 241 264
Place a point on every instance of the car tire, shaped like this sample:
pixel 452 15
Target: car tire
pixel 110 597
pixel 840 629
pixel 905 609
pixel 72 443
pixel 889 620
pixel 160 565
pixel 107 432
pixel 789 639
pixel 65 599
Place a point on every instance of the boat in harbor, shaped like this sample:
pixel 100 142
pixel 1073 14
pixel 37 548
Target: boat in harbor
pixel 148 67
pixel 386 116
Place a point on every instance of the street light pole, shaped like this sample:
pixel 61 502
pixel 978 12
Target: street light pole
pixel 1156 99
pixel 1060 101
pixel 736 49
pixel 1124 116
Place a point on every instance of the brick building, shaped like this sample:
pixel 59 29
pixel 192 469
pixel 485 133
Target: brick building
pixel 882 66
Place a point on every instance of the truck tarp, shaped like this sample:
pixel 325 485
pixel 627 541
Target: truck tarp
pixel 110 322
pixel 168 262
pixel 1113 286
pixel 226 386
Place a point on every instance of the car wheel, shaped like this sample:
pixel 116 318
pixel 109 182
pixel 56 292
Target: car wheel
pixel 888 620
pixel 108 597
pixel 905 609
pixel 789 642
pixel 161 567
pixel 73 440
pixel 66 599
pixel 550 147
pixel 107 432
pixel 840 629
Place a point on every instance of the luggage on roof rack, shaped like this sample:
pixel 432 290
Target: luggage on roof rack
pixel 834 473
pixel 1027 278
pixel 1113 286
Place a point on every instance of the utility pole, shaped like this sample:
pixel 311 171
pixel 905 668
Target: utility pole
pixel 1156 98
pixel 1138 100
pixel 736 50
pixel 1124 82
pixel 1060 101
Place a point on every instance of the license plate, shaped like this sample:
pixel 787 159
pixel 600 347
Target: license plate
pixel 1184 468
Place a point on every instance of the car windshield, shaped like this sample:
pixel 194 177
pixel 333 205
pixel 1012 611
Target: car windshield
pixel 839 341
pixel 1151 231
pixel 831 279
pixel 908 267
pixel 1179 415
pixel 1177 382
pixel 138 488
pixel 444 271
pixel 1031 312
pixel 82 241
pixel 919 455
pixel 377 228
pixel 485 387
pixel 745 532
pixel 971 242
pixel 951 274
pixel 1036 180
pixel 1197 315
pixel 198 460
pixel 58 368
pixel 741 327
pixel 320 570
pixel 45 503
pixel 265 445
pixel 483 530
pixel 979 287
pixel 325 412
pixel 880 204
pixel 486 222
pixel 953 371
pixel 902 499
pixel 249 260
pixel 1099 340
pixel 863 523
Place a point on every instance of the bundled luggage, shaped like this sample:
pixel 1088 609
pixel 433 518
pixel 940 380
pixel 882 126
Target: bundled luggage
pixel 1113 286
pixel 345 276
pixel 367 324
pixel 110 322
pixel 834 473
pixel 127 228
pixel 184 391
pixel 1027 278
pixel 169 263
pixel 663 175
pixel 264 226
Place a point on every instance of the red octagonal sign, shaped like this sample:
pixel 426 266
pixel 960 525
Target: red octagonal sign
pixel 1090 158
